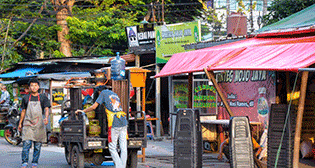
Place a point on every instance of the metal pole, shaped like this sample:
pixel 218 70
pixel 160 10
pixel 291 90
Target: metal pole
pixel 190 81
pixel 298 127
pixel 251 16
pixel 171 106
pixel 158 103
pixel 138 94
pixel 227 11
pixel 264 7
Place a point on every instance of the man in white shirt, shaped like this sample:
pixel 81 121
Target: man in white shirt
pixel 5 96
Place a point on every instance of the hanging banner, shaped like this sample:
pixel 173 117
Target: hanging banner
pixel 249 93
pixel 180 94
pixel 141 39
pixel 204 97
pixel 170 38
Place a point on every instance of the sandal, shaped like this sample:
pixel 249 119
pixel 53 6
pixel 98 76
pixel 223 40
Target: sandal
pixel 24 165
pixel 34 165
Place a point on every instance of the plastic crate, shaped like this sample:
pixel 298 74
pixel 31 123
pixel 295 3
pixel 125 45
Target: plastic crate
pixel 1 133
pixel 188 140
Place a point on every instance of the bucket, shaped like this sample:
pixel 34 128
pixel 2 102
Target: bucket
pixel 1 133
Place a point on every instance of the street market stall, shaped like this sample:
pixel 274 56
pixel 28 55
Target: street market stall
pixel 255 54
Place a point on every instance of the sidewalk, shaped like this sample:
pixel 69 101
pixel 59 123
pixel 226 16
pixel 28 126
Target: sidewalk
pixel 160 154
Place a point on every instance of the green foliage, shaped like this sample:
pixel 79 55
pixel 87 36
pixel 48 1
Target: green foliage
pixel 96 27
pixel 58 54
pixel 280 9
pixel 97 33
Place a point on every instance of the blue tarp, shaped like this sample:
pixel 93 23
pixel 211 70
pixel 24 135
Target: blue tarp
pixel 20 73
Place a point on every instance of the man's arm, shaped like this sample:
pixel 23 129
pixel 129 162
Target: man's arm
pixel 3 97
pixel 46 115
pixel 221 148
pixel 91 108
pixel 22 119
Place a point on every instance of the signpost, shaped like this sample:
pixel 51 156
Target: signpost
pixel 141 39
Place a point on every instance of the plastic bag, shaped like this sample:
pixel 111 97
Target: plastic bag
pixel 306 149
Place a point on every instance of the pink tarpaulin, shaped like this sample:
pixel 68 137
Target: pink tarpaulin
pixel 284 54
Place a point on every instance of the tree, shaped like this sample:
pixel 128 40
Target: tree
pixel 63 9
pixel 280 9
pixel 58 28
pixel 210 18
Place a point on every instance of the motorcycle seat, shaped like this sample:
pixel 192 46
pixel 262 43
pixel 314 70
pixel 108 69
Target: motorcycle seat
pixel 4 109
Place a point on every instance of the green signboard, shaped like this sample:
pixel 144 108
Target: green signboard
pixel 170 38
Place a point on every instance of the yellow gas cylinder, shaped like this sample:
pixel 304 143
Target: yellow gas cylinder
pixel 90 114
pixel 94 128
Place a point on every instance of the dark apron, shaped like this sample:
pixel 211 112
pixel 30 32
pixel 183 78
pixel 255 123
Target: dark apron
pixel 34 128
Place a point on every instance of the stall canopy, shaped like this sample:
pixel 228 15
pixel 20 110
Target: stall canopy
pixel 64 75
pixel 284 54
pixel 302 21
pixel 23 72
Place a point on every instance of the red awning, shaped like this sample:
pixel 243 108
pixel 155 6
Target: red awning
pixel 285 54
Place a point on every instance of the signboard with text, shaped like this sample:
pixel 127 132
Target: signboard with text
pixel 204 96
pixel 170 38
pixel 141 38
pixel 249 93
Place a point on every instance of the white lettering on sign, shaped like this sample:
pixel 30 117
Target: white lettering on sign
pixel 187 32
pixel 146 35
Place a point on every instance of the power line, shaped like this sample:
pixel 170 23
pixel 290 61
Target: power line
pixel 93 6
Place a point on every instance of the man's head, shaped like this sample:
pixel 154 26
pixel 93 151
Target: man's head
pixel 4 88
pixel 34 85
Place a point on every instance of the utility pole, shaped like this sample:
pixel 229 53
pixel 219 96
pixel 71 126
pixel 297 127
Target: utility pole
pixel 158 102
pixel 227 11
pixel 227 7
pixel 264 7
pixel 5 43
pixel 251 16
pixel 163 12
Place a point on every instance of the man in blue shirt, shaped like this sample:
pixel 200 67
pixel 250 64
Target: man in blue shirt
pixel 117 125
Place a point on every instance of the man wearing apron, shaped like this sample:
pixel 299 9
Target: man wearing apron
pixel 117 125
pixel 33 122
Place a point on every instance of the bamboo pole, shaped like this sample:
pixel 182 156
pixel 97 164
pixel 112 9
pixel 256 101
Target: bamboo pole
pixel 298 127
pixel 287 84
pixel 190 81
pixel 211 77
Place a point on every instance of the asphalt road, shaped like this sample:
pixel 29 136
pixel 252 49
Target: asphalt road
pixel 158 155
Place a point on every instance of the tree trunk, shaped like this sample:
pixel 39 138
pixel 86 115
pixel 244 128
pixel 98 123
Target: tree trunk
pixel 64 9
pixel 61 21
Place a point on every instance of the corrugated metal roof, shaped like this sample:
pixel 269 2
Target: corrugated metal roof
pixel 84 60
pixel 23 72
pixel 64 75
pixel 304 19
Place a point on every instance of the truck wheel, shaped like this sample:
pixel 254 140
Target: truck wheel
pixel 67 154
pixel 98 159
pixel 77 157
pixel 132 161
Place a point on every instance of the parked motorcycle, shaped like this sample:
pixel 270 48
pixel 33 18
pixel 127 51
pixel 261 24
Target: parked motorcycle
pixel 11 133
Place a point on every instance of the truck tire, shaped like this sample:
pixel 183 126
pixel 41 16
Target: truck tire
pixel 67 154
pixel 132 161
pixel 77 157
